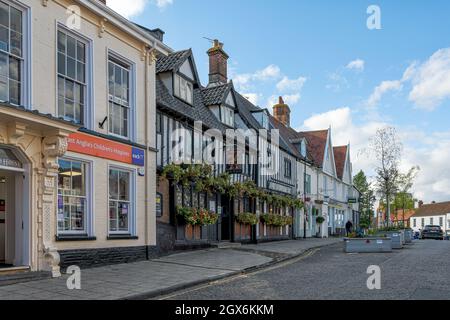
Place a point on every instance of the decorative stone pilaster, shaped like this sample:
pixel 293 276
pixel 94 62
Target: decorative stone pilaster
pixel 53 146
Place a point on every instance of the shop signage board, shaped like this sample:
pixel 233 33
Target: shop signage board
pixel 106 149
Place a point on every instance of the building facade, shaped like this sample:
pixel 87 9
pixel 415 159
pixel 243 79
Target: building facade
pixel 434 214
pixel 77 135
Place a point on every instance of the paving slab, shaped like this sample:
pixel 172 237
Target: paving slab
pixel 159 276
pixel 221 259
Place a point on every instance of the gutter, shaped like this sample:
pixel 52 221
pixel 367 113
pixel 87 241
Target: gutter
pixel 124 24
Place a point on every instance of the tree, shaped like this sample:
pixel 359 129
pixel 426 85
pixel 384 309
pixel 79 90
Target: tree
pixel 367 200
pixel 404 199
pixel 387 150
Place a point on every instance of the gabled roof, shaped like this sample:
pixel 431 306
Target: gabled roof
pixel 216 95
pixel 286 134
pixel 173 61
pixel 245 108
pixel 197 112
pixel 340 155
pixel 317 142
pixel 434 209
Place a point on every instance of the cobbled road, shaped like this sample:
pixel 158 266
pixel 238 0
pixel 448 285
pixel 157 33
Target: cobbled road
pixel 419 271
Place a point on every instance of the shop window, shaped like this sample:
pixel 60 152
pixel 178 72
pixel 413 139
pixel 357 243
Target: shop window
pixel 72 197
pixel 120 201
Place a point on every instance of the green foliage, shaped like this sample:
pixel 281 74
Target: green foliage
pixel 367 200
pixel 247 218
pixel 276 220
pixel 197 217
pixel 320 220
pixel 202 177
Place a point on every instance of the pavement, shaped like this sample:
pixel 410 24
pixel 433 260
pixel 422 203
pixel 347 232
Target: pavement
pixel 150 279
pixel 418 272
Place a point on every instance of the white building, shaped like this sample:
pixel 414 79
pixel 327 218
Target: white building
pixel 437 214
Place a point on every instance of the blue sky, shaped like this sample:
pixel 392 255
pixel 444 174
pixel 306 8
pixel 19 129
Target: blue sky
pixel 331 68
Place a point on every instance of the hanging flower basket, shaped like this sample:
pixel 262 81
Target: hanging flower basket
pixel 247 218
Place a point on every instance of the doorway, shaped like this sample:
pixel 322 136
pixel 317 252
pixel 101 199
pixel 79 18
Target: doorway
pixel 14 218
pixel 226 219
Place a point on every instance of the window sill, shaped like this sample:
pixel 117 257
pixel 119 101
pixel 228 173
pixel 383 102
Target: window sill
pixel 75 238
pixel 122 237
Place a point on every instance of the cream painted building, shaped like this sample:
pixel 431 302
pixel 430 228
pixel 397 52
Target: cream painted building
pixel 77 135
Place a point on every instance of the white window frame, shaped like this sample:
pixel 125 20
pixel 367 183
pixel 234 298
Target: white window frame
pixel 133 201
pixel 132 92
pixel 26 70
pixel 177 89
pixel 89 109
pixel 227 115
pixel 89 228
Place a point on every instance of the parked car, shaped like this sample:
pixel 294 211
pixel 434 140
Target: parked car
pixel 432 232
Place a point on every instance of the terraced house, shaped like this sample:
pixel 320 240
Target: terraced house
pixel 77 124
pixel 250 158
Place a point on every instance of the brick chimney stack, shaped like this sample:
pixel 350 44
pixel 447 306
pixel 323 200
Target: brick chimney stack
pixel 282 112
pixel 218 64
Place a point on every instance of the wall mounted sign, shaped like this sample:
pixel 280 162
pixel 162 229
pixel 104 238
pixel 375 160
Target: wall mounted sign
pixel 106 149
pixel 8 159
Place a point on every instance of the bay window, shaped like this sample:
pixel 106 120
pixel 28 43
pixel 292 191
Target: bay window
pixel 72 197
pixel 11 54
pixel 120 201
pixel 72 84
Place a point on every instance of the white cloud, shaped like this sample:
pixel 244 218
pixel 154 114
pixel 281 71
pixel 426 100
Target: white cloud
pixel 163 3
pixel 431 152
pixel 431 81
pixel 337 81
pixel 357 65
pixel 289 99
pixel 246 81
pixel 252 97
pixel 128 8
pixel 132 8
pixel 383 88
pixel 289 85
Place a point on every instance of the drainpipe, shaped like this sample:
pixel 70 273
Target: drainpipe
pixel 147 147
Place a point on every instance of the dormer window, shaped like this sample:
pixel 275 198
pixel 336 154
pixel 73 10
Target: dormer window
pixel 303 149
pixel 227 116
pixel 183 89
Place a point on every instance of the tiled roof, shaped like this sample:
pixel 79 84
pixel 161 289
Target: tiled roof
pixel 172 61
pixel 434 209
pixel 197 112
pixel 246 108
pixel 340 153
pixel 157 33
pixel 215 95
pixel 286 134
pixel 317 142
